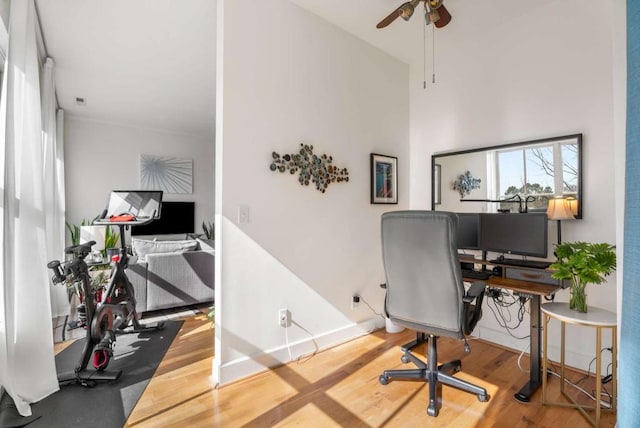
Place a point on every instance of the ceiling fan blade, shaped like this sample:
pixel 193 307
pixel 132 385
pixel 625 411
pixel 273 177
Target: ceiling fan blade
pixel 445 17
pixel 389 19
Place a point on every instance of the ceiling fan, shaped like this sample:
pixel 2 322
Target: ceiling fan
pixel 435 13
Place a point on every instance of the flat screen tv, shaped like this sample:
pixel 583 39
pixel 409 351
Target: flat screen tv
pixel 511 233
pixel 175 218
pixel 468 230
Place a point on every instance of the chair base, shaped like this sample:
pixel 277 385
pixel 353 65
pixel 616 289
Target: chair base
pixel 430 372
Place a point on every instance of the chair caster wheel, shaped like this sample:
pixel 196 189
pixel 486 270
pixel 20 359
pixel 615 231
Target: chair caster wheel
pixel 483 398
pixel 383 380
pixel 404 359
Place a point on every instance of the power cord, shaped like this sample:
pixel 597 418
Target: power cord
pixel 607 377
pixel 503 300
pixel 371 308
pixel 520 359
pixel 286 338
pixel 606 405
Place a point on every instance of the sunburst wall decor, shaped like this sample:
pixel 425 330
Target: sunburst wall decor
pixel 169 174
pixel 317 169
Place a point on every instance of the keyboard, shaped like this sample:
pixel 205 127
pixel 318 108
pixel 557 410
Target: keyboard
pixel 537 264
pixel 475 274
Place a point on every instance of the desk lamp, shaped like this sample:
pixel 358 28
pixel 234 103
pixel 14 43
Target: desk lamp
pixel 559 209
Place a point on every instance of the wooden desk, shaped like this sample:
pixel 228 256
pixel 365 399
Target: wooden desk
pixel 534 291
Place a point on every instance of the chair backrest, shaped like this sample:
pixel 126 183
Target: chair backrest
pixel 424 281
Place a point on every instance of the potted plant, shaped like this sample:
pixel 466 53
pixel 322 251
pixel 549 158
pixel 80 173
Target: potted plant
pixel 583 263
pixel 211 314
pixel 74 231
pixel 208 230
pixel 207 238
pixel 110 241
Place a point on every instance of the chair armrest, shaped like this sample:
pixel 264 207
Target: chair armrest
pixel 476 289
pixel 473 306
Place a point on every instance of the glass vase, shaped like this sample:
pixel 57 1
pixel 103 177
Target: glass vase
pixel 578 300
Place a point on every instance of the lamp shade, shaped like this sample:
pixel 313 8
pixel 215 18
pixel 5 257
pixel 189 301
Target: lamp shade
pixel 559 209
pixel 573 203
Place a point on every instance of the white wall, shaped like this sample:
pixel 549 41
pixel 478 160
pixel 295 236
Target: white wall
pixel 536 70
pixel 100 157
pixel 290 77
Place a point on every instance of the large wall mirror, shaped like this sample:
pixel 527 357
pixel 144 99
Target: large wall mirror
pixel 513 177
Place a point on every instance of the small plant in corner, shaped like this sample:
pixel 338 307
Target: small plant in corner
pixel 583 263
pixel 211 314
pixel 74 231
pixel 110 240
pixel 208 230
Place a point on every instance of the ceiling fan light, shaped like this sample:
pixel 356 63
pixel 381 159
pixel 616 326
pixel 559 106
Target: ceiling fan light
pixel 434 15
pixel 445 17
pixel 406 11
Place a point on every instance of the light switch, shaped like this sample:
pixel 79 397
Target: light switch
pixel 243 214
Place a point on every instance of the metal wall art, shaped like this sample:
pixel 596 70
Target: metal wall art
pixel 465 183
pixel 313 168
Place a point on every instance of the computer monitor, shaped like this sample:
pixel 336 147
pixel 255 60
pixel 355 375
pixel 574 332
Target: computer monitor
pixel 468 230
pixel 511 233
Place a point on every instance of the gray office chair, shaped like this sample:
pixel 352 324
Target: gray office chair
pixel 425 293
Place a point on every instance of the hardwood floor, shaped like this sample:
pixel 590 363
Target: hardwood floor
pixel 339 387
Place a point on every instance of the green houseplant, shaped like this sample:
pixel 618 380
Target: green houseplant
pixel 583 263
pixel 74 231
pixel 110 241
pixel 208 230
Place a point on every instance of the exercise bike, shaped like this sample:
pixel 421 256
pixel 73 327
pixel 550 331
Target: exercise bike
pixel 106 313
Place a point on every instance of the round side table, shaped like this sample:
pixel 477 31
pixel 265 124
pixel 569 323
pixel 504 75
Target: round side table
pixel 595 318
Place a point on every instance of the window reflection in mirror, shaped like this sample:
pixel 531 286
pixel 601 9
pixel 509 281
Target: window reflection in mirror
pixel 531 171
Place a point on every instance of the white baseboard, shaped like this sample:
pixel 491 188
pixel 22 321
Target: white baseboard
pixel 250 365
pixel 573 359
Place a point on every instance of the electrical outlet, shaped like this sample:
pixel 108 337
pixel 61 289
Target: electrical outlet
pixel 355 301
pixel 283 318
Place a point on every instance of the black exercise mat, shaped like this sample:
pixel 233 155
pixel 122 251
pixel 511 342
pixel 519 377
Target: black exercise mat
pixel 9 415
pixel 108 404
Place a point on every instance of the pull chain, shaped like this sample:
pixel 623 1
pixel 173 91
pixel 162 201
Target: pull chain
pixel 424 56
pixel 433 53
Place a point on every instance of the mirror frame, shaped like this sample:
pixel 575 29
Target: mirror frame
pixel 436 156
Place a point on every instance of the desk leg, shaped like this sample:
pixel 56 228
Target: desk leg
pixel 525 393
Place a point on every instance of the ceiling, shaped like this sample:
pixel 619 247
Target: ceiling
pixel 144 63
pixel 402 39
pixel 151 63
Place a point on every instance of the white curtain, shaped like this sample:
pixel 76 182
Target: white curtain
pixel 53 179
pixel 27 368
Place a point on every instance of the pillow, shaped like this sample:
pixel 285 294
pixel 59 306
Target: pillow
pixel 142 248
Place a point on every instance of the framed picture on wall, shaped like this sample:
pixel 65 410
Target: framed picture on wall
pixel 384 179
pixel 166 173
